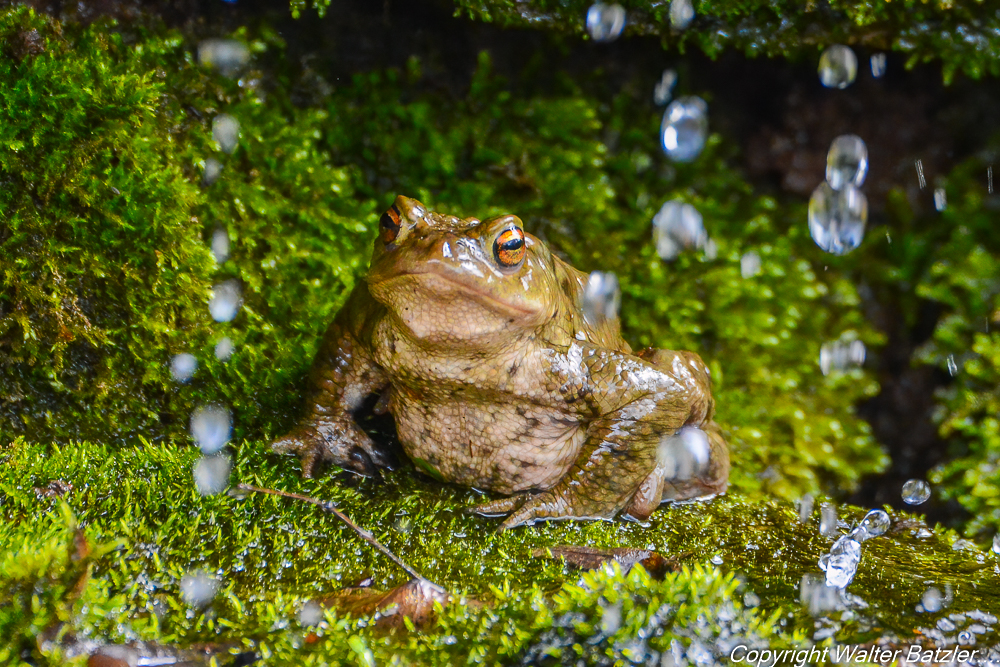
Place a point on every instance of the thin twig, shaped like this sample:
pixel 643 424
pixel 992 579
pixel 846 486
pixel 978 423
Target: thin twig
pixel 332 509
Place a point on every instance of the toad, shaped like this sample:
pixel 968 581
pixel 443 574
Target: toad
pixel 474 335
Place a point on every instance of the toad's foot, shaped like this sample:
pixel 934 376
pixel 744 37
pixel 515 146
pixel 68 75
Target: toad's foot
pixel 560 502
pixel 344 445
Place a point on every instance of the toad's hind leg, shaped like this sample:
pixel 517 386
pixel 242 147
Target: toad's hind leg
pixel 643 401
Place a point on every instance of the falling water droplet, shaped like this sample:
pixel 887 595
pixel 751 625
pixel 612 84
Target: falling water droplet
pixel 875 523
pixel 827 520
pixel 225 301
pixel 210 427
pixel 224 349
pixel 228 56
pixel 919 164
pixel 806 507
pixel 684 128
pixel 932 600
pixel 681 14
pixel 226 131
pixel 198 588
pixel 878 65
pixel 749 265
pixel 952 366
pixel 846 161
pixel 183 366
pixel 311 613
pixel 601 297
pixel 211 474
pixel 989 179
pixel 916 491
pixel 838 66
pixel 220 245
pixel 837 218
pixel 212 171
pixel 605 22
pixel 665 88
pixel 940 198
pixel 677 226
pixel 841 355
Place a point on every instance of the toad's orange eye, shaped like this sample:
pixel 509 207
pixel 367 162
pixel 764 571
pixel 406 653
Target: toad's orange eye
pixel 388 225
pixel 509 247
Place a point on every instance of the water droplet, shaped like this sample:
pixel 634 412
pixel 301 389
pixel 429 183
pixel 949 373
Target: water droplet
pixel 717 559
pixel 919 164
pixel 212 171
pixel 685 454
pixel 681 14
pixel 932 600
pixel 684 128
pixel 806 507
pixel 816 596
pixel 677 226
pixel 940 199
pixel 665 88
pixel 841 355
pixel 996 543
pixel 711 249
pixel 198 588
pixel 944 625
pixel 827 520
pixel 751 599
pixel 605 22
pixel 183 366
pixel 846 161
pixel 878 65
pixel 226 132
pixel 310 614
pixel 211 474
pixel 989 179
pixel 837 218
pixel 966 638
pixel 916 491
pixel 601 297
pixel 952 366
pixel 749 265
pixel 210 427
pixel 227 56
pixel 875 523
pixel 220 245
pixel 838 66
pixel 845 555
pixel 225 301
pixel 224 349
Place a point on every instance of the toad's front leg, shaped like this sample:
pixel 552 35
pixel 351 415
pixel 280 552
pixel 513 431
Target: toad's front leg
pixel 634 454
pixel 342 376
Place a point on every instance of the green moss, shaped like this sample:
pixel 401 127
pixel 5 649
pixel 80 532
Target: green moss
pixel 106 270
pixel 272 555
pixel 961 35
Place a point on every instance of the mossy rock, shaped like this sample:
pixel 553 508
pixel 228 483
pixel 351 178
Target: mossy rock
pixel 105 274
pixel 273 555
pixel 961 35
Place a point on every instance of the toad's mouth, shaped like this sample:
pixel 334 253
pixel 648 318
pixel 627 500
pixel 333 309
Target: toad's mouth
pixel 433 285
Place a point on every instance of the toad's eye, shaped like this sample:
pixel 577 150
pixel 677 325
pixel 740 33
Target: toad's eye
pixel 509 247
pixel 388 225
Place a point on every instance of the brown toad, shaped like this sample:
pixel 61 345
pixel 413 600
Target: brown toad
pixel 474 334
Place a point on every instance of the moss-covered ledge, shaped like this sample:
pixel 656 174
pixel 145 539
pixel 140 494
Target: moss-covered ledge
pixel 274 555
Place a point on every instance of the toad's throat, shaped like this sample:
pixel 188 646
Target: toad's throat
pixel 445 284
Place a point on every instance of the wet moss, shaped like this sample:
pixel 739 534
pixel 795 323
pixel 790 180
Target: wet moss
pixel 959 35
pixel 273 555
